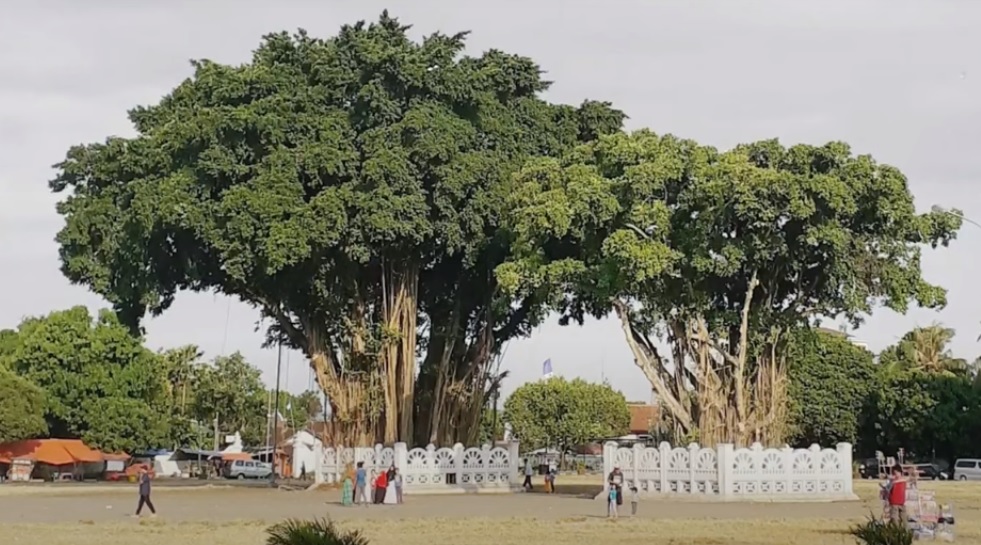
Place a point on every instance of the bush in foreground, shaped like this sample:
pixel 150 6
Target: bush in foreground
pixel 312 532
pixel 875 532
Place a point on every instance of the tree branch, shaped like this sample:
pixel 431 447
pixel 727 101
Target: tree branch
pixel 642 357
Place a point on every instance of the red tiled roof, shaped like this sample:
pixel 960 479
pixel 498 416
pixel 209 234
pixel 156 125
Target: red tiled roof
pixel 642 418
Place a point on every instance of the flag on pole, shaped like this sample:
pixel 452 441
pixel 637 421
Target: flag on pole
pixel 547 369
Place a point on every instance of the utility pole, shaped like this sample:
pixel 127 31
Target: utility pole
pixel 494 427
pixel 275 433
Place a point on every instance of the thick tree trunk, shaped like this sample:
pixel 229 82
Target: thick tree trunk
pixel 712 394
pixel 400 286
pixel 354 401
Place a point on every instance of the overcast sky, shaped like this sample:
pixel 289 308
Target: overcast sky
pixel 900 80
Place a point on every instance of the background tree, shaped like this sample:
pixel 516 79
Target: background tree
pixel 929 415
pixel 562 413
pixel 349 188
pixel 830 380
pixel 100 383
pixel 229 394
pixel 21 408
pixel 721 255
pixel 8 342
pixel 925 349
pixel 921 401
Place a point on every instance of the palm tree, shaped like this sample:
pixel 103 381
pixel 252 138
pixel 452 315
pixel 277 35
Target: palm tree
pixel 928 347
pixel 180 364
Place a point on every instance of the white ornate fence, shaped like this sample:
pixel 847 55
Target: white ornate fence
pixel 430 469
pixel 729 473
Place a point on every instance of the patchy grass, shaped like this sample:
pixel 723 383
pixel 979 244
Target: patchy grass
pixel 542 520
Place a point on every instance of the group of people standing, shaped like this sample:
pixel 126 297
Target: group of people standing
pixel 385 487
pixel 614 482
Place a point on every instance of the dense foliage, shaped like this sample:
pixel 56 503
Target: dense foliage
pixel 721 255
pixel 351 189
pixel 72 375
pixel 562 413
pixel 830 381
pixel 21 408
pixel 398 211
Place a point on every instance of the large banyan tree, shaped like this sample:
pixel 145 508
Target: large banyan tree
pixel 350 188
pixel 709 259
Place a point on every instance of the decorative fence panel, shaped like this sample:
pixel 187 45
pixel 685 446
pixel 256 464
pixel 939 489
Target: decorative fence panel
pixel 729 473
pixel 430 469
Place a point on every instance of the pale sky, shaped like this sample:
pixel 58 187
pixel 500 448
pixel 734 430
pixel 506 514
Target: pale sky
pixel 898 79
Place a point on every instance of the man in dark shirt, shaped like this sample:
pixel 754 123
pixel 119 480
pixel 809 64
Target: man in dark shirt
pixel 144 493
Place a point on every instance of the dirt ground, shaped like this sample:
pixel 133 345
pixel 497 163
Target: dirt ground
pixel 219 516
pixel 231 504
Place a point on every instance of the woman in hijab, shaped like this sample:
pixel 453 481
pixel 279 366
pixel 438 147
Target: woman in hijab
pixel 615 480
pixel 391 496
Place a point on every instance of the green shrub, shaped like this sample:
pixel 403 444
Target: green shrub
pixel 875 532
pixel 312 532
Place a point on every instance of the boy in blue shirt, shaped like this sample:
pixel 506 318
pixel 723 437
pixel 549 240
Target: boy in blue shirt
pixel 611 510
pixel 361 486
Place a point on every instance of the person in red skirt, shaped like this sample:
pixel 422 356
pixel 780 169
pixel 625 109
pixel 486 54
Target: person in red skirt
pixel 381 487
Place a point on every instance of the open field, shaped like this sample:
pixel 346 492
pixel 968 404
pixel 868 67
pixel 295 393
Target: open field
pixel 219 516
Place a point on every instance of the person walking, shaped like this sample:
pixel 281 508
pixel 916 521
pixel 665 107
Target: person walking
pixel 144 483
pixel 527 484
pixel 397 482
pixel 361 485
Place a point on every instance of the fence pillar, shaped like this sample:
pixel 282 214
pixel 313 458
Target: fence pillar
pixel 609 461
pixel 725 457
pixel 378 458
pixel 318 462
pixel 514 460
pixel 401 456
pixel 845 457
pixel 664 451
pixel 458 463
pixel 787 454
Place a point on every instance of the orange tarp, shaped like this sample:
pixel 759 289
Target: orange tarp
pixel 56 452
pixel 229 456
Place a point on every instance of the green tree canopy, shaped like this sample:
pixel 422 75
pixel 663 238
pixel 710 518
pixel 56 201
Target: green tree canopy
pixel 95 377
pixel 22 407
pixel 722 254
pixel 830 381
pixel 557 412
pixel 351 189
pixel 925 349
pixel 927 414
pixel 230 390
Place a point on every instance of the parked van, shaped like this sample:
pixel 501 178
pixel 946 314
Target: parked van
pixel 967 469
pixel 248 469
